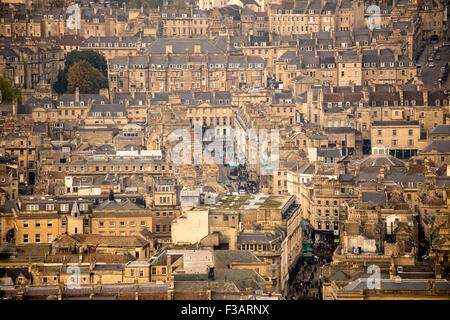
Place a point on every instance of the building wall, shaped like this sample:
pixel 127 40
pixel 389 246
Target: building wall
pixel 183 226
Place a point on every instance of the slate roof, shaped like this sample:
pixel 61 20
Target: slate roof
pixel 113 108
pixel 375 197
pixel 230 256
pixel 441 129
pixel 405 284
pixel 442 146
pixel 179 46
pixel 115 205
pixel 376 160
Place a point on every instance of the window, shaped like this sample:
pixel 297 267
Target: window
pixel 153 271
pixel 141 273
pixel 32 207
pixel 112 224
pixel 101 224
pixel 25 224
pixel 37 238
pixel 131 272
pixel 49 223
pixel 394 143
pixel 143 223
pixel 163 270
pixel 38 224
pixel 122 224
pixel 25 238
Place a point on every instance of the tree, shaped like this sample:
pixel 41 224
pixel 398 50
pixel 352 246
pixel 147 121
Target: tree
pixel 96 60
pixel 178 4
pixel 136 4
pixel 8 92
pixel 84 76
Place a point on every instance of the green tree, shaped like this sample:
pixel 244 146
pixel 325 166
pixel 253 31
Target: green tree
pixel 84 76
pixel 8 92
pixel 178 4
pixel 135 4
pixel 96 60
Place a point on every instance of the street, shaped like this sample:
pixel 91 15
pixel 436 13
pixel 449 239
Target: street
pixel 308 281
pixel 429 75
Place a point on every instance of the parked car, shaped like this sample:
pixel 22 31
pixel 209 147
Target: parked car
pixel 438 57
pixel 431 65
pixel 430 58
pixel 242 191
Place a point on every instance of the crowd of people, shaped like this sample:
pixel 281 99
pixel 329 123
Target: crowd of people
pixel 308 281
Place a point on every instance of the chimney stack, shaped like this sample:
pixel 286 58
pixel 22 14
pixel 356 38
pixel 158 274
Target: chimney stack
pixel 15 106
pixel 77 95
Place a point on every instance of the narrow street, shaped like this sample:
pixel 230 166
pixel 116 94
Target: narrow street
pixel 307 284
